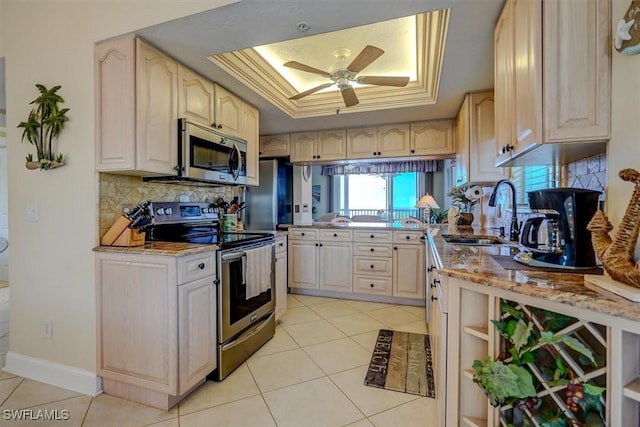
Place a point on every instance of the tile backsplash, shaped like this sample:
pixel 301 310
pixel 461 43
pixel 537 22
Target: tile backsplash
pixel 588 173
pixel 117 191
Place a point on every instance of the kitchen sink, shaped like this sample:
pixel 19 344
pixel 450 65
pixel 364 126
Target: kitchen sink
pixel 472 240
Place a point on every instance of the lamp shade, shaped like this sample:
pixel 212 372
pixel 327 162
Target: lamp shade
pixel 427 201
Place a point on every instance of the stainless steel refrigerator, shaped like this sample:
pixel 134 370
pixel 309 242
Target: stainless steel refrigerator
pixel 271 202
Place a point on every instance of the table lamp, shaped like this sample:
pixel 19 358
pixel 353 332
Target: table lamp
pixel 427 202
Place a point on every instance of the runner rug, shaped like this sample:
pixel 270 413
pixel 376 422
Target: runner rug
pixel 401 361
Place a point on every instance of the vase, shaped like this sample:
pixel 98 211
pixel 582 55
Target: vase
pixel 465 218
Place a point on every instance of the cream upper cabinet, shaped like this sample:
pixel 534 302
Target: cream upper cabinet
pixel 136 108
pixel 195 97
pixel 433 137
pixel 275 145
pixel 228 112
pixel 362 143
pixel 475 140
pixel 394 140
pixel 250 133
pixel 559 60
pixel 320 146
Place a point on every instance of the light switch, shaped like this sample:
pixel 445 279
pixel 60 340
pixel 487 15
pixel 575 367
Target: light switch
pixel 32 213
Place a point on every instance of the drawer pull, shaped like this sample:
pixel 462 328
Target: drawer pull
pixel 371 249
pixel 372 236
pixel 371 285
pixel 302 234
pixel 335 234
pixel 281 244
pixel 434 298
pixel 408 237
pixel 372 265
pixel 201 266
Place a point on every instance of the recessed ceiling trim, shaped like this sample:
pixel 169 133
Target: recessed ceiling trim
pixel 252 70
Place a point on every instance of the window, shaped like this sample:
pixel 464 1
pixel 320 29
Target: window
pixel 530 178
pixel 389 196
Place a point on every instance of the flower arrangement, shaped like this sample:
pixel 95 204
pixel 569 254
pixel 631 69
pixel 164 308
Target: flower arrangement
pixel 462 199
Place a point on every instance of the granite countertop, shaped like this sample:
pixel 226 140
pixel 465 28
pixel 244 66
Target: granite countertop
pixel 159 248
pixel 357 226
pixel 476 264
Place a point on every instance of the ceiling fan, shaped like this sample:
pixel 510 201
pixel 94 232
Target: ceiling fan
pixel 344 77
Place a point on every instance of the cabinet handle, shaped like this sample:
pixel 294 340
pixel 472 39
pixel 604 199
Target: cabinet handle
pixel 335 234
pixel 320 244
pixel 281 244
pixel 395 248
pixel 371 285
pixel 371 249
pixel 509 147
pixel 408 237
pixel 317 157
pixel 436 281
pixel 201 266
pixel 374 153
pixel 372 236
pixel 372 265
pixel 434 298
pixel 219 126
pixel 213 125
pixel 379 153
pixel 432 285
pixel 431 268
pixel 302 234
pixel 413 151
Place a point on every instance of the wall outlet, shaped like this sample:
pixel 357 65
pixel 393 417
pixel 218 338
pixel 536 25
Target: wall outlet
pixel 33 213
pixel 47 329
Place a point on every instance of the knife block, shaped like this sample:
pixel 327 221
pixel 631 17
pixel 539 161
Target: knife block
pixel 121 235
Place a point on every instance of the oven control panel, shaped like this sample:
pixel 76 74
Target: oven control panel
pixel 183 212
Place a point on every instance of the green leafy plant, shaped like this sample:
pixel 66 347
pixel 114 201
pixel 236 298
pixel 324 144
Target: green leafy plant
pixel 508 380
pixel 44 124
pixel 438 216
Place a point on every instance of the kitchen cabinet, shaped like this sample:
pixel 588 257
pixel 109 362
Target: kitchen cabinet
pixel 274 145
pixel 318 146
pixel 196 97
pixel 475 140
pixel 373 268
pixel 303 264
pixel 156 325
pixel 408 264
pixel 553 72
pixel 136 89
pixel 250 132
pixel 372 142
pixel 281 276
pixel 334 260
pixel 228 112
pixel 430 138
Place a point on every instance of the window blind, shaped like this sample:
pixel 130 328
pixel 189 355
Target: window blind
pixel 531 178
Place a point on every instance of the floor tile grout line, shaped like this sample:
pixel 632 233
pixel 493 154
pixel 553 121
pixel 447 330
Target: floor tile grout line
pixel 12 391
pixel 86 412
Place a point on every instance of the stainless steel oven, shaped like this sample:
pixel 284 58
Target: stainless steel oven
pixel 245 294
pixel 245 321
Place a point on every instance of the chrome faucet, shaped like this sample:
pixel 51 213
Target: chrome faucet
pixel 514 230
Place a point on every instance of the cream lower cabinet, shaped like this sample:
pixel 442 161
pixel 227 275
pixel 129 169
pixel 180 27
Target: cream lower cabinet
pixel 281 276
pixel 408 264
pixel 303 258
pixel 156 325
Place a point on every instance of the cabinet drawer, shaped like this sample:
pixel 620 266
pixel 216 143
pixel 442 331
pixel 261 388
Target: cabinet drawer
pixel 196 266
pixel 376 236
pixel 303 234
pixel 372 250
pixel 281 244
pixel 377 266
pixel 372 285
pixel 408 237
pixel 336 235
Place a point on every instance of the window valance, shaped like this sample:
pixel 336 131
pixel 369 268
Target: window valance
pixel 384 167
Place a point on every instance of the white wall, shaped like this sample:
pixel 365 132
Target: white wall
pixel 624 148
pixel 52 271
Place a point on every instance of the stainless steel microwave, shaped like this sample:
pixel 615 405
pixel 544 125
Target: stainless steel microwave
pixel 207 155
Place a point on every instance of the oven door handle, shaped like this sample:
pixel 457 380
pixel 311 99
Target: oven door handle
pixel 233 256
pixel 236 174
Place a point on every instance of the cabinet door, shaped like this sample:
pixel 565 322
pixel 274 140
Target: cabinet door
pixel 431 137
pixel 157 111
pixel 281 284
pixel 576 85
pixel 228 112
pixel 195 99
pixel 461 135
pixel 303 146
pixel 274 145
pixel 408 271
pixel 528 75
pixel 137 320
pixel 362 143
pixel 250 133
pixel 394 140
pixel 197 350
pixel 482 139
pixel 335 267
pixel 331 145
pixel 503 77
pixel 303 266
pixel 115 105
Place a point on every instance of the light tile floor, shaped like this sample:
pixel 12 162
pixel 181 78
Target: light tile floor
pixel 309 374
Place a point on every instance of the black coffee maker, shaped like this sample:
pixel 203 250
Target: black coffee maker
pixel 567 211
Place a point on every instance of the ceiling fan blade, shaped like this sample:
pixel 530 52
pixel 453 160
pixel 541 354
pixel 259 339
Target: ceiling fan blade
pixel 310 91
pixel 349 96
pixel 364 58
pixel 383 80
pixel 302 67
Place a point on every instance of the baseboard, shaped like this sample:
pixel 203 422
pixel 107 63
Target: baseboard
pixel 56 374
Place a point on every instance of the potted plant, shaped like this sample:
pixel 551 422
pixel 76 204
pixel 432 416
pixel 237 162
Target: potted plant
pixel 463 201
pixel 44 123
pixel 537 358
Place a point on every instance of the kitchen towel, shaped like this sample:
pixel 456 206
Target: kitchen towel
pixel 257 269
